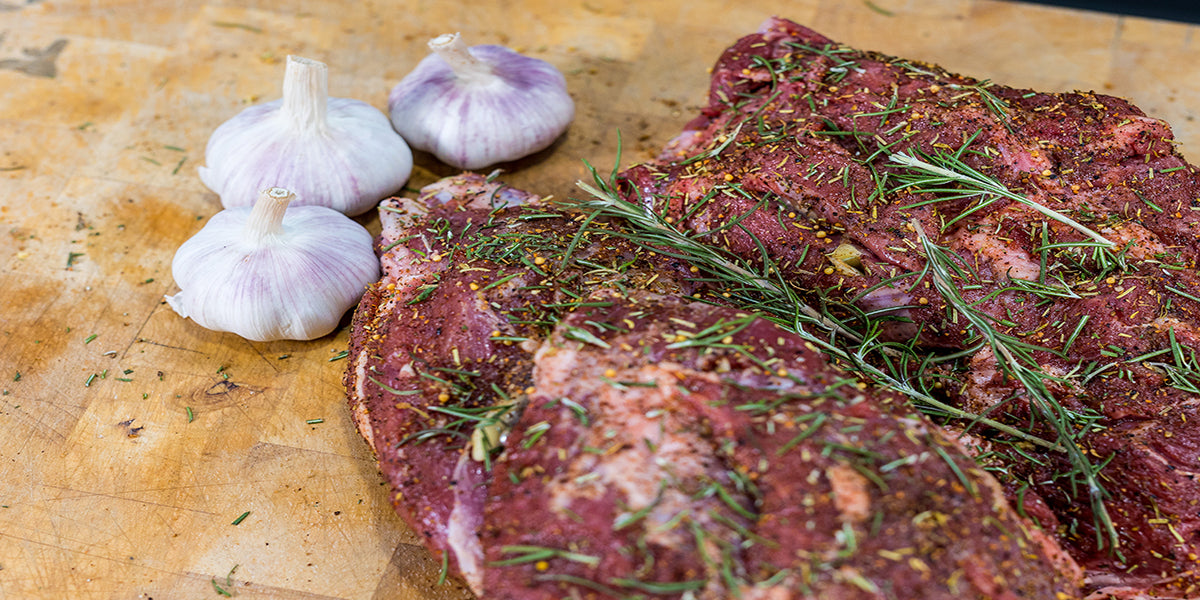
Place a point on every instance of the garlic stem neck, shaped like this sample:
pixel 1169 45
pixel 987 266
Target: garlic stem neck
pixel 266 218
pixel 305 94
pixel 455 52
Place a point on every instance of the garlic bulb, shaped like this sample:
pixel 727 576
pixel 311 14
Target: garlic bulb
pixel 272 272
pixel 478 106
pixel 333 152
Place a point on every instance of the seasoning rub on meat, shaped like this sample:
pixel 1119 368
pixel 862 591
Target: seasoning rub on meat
pixel 560 418
pixel 1026 256
pixel 757 365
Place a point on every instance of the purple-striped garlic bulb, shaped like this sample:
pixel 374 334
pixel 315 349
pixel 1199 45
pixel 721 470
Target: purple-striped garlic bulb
pixel 273 271
pixel 334 152
pixel 477 106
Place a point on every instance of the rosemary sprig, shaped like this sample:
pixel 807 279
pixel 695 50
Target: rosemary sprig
pixel 1016 362
pixel 764 291
pixel 946 175
pixel 652 231
pixel 761 288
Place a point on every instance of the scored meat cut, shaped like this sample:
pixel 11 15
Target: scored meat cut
pixel 709 379
pixel 561 419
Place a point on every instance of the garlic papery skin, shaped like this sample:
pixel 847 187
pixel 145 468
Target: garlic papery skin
pixel 274 271
pixel 334 152
pixel 478 106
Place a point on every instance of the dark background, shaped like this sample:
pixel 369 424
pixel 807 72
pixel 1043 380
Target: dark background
pixel 1177 10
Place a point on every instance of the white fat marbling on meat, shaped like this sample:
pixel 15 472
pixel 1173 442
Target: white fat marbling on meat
pixel 401 266
pixel 462 531
pixel 484 194
pixel 1004 259
pixel 1029 159
pixel 1145 243
pixel 398 214
pixel 1123 592
pixel 1125 135
pixel 651 443
pixel 631 417
pixel 851 493
pixel 681 145
pixel 361 417
pixel 984 387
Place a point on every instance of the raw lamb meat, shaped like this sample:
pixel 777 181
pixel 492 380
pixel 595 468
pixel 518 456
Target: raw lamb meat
pixel 560 417
pixel 566 410
pixel 1077 252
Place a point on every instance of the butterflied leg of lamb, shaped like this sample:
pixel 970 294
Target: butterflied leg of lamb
pixel 1064 227
pixel 558 415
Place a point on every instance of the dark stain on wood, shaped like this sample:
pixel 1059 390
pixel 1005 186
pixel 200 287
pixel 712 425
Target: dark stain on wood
pixel 37 62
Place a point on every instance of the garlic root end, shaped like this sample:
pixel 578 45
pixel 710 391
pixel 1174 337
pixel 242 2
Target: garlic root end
pixel 176 304
pixel 205 175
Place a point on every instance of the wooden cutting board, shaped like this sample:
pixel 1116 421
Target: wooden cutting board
pixel 144 457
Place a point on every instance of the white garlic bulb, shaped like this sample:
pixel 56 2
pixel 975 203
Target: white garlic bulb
pixel 478 106
pixel 273 272
pixel 333 152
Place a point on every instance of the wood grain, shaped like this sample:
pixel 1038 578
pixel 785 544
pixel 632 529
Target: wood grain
pixel 107 488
